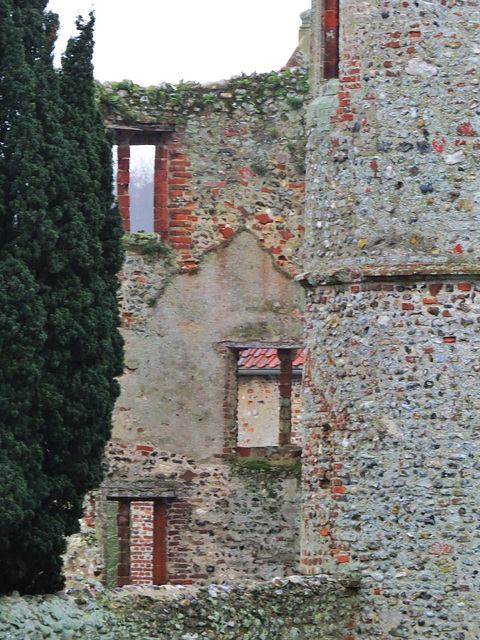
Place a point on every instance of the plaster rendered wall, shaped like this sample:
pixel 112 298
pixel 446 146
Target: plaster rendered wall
pixel 391 466
pixel 230 223
pixel 176 391
pixel 225 521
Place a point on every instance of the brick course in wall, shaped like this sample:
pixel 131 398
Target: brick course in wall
pixel 217 523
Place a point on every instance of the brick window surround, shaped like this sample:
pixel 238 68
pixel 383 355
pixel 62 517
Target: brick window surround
pixel 133 570
pixel 152 135
pixel 283 447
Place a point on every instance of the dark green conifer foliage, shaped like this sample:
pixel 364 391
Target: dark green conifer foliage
pixel 60 250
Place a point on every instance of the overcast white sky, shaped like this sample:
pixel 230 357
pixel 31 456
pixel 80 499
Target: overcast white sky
pixel 152 41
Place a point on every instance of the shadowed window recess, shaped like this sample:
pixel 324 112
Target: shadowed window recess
pixel 269 402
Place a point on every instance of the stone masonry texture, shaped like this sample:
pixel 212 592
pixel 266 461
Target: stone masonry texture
pixel 391 472
pixel 395 142
pixel 228 212
pixel 223 521
pixel 293 608
pixel 388 256
pixel 234 161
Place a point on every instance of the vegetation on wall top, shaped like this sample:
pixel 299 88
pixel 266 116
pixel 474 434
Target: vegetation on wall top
pixel 130 102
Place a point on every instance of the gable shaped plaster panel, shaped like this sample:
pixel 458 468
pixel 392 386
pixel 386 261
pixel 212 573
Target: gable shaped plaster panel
pixel 175 396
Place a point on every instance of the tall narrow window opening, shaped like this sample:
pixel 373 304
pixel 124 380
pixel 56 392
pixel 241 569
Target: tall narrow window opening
pixel 137 546
pixel 141 176
pixel 142 167
pixel 331 39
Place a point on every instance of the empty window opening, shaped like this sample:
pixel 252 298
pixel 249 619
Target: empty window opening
pixel 269 397
pixel 141 176
pixel 142 166
pixel 134 171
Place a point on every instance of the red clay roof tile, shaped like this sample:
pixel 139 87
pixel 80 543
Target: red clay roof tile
pixel 265 359
pixel 298 362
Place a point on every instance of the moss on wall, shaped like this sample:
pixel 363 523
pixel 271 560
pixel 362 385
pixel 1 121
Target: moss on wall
pixel 129 102
pixel 293 608
pixel 148 245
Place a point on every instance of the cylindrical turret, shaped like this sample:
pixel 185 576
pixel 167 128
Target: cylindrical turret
pixel 396 142
pixel 392 380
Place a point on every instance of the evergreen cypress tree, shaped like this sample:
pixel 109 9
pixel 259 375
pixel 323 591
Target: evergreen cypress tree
pixel 22 315
pixel 60 250
pixel 84 346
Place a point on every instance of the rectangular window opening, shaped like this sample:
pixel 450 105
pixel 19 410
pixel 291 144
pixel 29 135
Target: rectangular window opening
pixel 269 399
pixel 142 168
pixel 331 39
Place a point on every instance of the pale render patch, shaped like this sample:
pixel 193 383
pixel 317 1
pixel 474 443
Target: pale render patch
pixel 419 67
pixel 455 158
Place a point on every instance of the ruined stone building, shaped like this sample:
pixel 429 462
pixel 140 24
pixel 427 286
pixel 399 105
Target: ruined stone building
pixel 202 472
pixel 203 469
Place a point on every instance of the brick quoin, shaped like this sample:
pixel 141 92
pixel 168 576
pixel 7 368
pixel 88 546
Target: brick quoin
pixel 181 207
pixel 141 542
pixel 123 182
pixel 179 565
pixel 285 391
pixel 123 527
pixel 160 190
pixel 159 543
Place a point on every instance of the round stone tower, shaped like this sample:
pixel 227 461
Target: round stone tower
pixel 392 381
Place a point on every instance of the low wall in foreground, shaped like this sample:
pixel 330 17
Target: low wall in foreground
pixel 294 608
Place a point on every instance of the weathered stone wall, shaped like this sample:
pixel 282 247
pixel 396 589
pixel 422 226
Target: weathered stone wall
pixel 228 209
pixel 224 521
pixel 178 406
pixel 174 391
pixel 391 473
pixel 234 161
pixel 395 146
pixel 294 608
pixel 391 454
